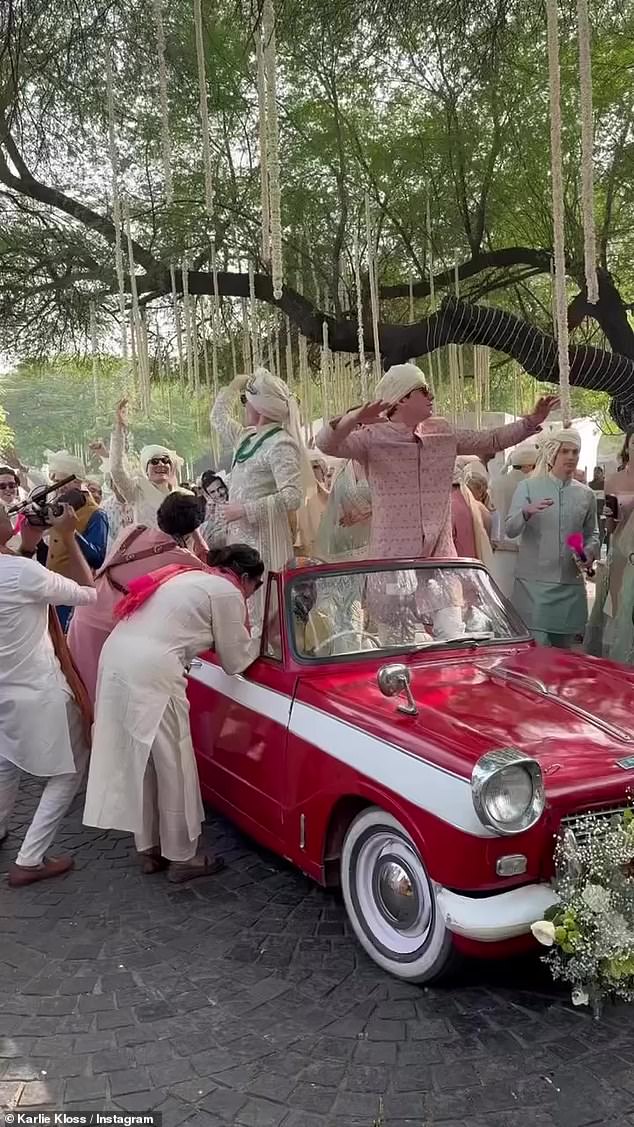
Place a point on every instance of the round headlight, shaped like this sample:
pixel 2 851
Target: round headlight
pixel 508 792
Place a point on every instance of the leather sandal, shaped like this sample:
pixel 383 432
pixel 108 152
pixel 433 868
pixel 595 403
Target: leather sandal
pixel 152 862
pixel 21 875
pixel 202 865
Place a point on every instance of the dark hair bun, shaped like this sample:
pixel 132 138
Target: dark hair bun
pixel 241 559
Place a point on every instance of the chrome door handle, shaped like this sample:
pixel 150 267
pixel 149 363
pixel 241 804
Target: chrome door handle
pixel 195 663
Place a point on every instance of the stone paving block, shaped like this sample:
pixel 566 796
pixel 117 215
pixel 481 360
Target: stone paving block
pixel 261 1113
pixel 153 1052
pixel 129 1080
pixel 85 1088
pixel 171 1072
pixel 92 1003
pixel 193 1091
pixel 9 1093
pixel 313 1097
pixel 112 1060
pixel 17 1069
pixel 115 1019
pixel 59 1046
pixel 224 1103
pixel 37 1093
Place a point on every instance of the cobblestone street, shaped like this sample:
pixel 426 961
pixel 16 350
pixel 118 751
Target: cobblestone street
pixel 243 999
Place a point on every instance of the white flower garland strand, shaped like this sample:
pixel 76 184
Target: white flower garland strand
pixel 116 206
pixel 177 324
pixel 561 299
pixel 137 358
pixel 587 151
pixel 359 295
pixel 204 110
pixel 166 139
pixel 374 297
pixel 189 350
pixel 264 165
pixel 253 320
pixel 94 354
pixel 247 358
pixel 215 317
pixel 288 352
pixel 273 140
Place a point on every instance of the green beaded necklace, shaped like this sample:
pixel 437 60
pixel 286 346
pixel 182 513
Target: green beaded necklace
pixel 248 447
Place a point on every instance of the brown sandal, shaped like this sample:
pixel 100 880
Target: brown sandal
pixel 152 862
pixel 201 865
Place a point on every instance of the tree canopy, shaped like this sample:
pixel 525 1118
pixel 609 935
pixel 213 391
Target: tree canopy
pixel 428 106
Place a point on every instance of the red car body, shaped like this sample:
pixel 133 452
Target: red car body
pixel 293 751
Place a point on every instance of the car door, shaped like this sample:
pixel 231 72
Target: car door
pixel 239 728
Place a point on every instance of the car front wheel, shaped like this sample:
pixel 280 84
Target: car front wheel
pixel 391 902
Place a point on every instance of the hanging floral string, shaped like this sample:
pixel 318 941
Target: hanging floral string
pixel 264 167
pixel 215 318
pixel 324 369
pixel 137 358
pixel 189 348
pixel 273 141
pixel 359 294
pixel 374 297
pixel 166 140
pixel 288 352
pixel 247 358
pixel 94 354
pixel 253 319
pixel 200 302
pixel 587 154
pixel 558 208
pixel 459 355
pixel 177 324
pixel 204 110
pixel 116 207
pixel 432 293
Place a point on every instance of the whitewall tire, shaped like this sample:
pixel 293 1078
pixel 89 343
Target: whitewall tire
pixel 391 901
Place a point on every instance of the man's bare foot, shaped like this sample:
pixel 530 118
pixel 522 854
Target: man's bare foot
pixel 202 865
pixel 21 875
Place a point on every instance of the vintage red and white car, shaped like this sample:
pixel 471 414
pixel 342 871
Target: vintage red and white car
pixel 403 736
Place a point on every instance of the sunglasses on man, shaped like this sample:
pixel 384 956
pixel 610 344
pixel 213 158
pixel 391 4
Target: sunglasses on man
pixel 8 486
pixel 160 461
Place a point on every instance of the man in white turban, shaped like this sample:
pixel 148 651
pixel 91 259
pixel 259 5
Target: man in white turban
pixel 271 474
pixel 144 491
pixel 408 457
pixel 547 509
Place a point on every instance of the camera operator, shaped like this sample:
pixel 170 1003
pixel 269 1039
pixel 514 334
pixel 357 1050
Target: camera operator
pixel 44 715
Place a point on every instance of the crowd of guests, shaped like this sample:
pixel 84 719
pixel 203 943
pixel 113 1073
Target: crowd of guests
pixel 146 571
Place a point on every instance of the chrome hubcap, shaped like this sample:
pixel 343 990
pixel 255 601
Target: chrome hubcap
pixel 397 894
pixel 394 895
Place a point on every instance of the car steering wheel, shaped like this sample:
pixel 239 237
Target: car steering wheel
pixel 342 634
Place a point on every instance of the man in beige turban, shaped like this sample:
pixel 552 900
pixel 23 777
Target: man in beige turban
pixel 409 456
pixel 271 474
pixel 548 508
pixel 144 491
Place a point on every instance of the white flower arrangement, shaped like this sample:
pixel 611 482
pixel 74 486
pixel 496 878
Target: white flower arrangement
pixel 590 932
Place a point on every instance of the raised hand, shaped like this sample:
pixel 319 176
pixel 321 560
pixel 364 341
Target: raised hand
pixel 121 413
pixel 542 409
pixel 371 413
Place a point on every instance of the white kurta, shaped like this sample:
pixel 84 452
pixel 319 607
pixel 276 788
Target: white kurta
pixel 33 690
pixel 269 485
pixel 141 673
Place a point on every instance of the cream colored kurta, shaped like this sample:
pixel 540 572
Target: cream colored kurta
pixel 269 485
pixel 136 489
pixel 141 673
pixel 33 690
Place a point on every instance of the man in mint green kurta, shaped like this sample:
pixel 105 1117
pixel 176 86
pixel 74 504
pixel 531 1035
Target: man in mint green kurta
pixel 549 591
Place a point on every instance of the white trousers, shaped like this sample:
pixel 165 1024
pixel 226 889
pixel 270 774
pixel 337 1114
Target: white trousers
pixel 56 796
pixel 164 806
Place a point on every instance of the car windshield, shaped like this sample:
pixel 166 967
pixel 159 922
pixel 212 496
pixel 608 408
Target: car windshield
pixel 349 612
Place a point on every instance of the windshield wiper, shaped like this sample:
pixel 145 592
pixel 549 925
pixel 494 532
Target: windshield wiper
pixel 457 641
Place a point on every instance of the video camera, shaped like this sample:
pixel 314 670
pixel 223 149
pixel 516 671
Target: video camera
pixel 40 512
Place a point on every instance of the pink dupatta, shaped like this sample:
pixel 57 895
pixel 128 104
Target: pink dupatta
pixel 142 589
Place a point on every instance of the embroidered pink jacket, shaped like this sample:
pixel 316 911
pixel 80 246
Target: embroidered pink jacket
pixel 410 478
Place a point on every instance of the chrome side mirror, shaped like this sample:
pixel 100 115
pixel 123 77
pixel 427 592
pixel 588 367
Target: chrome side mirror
pixel 393 680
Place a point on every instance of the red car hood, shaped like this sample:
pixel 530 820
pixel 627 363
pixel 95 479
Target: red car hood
pixel 572 713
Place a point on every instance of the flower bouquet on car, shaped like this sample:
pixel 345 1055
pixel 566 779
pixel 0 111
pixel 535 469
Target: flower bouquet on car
pixel 590 932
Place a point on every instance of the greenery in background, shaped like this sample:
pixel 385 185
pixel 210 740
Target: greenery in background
pixel 400 99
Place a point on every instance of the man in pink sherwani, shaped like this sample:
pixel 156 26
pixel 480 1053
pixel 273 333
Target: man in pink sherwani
pixel 408 458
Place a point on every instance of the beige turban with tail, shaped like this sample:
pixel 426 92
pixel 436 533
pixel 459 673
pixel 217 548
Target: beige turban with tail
pixel 549 448
pixel 62 464
pixel 271 398
pixel 398 382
